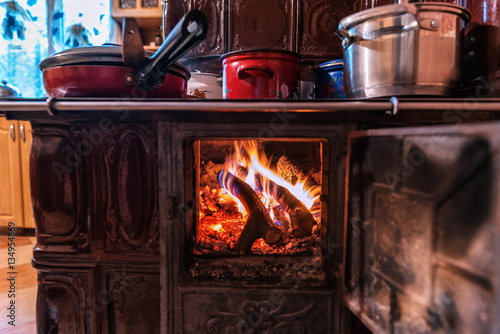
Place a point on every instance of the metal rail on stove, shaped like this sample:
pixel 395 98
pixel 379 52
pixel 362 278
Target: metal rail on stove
pixel 390 106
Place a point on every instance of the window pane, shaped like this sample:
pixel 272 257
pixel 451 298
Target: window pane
pixel 26 40
pixel 80 23
pixel 23 44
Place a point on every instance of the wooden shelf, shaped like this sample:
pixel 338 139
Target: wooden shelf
pixel 138 12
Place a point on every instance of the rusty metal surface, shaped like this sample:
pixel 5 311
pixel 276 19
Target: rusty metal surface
pixel 373 113
pixel 421 229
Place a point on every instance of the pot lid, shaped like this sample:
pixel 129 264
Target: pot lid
pixel 378 12
pixel 204 74
pixel 400 9
pixel 107 54
pixel 445 8
pixel 198 59
pixel 250 51
pixel 8 90
pixel 331 63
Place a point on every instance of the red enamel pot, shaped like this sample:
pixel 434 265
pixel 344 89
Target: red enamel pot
pixel 260 74
pixel 101 71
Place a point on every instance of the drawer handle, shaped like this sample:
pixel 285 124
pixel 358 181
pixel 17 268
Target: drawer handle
pixel 13 132
pixel 21 133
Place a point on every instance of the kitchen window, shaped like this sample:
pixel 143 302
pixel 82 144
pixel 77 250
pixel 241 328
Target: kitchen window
pixel 31 30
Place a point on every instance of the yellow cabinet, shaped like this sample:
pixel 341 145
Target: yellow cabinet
pixel 15 196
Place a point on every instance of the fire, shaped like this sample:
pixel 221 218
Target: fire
pixel 252 166
pixel 253 206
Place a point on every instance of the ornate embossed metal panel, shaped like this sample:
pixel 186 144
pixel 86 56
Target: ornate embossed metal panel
pixel 235 311
pixel 63 304
pixel 261 24
pixel 58 162
pixel 130 166
pixel 134 301
pixel 173 10
pixel 422 229
pixel 215 41
pixel 317 33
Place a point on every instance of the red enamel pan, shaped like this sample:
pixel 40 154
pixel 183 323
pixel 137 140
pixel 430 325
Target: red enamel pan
pixel 100 71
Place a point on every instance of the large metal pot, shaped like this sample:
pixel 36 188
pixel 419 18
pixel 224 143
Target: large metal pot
pixel 405 49
pixel 102 71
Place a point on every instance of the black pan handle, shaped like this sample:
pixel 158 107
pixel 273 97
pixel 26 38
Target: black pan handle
pixel 188 32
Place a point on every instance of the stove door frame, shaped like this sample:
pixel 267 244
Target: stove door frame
pixel 422 213
pixel 179 289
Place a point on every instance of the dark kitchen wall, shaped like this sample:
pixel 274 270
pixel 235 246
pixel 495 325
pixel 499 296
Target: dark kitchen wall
pixel 308 27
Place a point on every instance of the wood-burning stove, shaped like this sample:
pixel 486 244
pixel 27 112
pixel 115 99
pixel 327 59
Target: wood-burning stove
pixel 405 236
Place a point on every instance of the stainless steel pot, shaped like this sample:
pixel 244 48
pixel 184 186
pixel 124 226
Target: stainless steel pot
pixel 405 49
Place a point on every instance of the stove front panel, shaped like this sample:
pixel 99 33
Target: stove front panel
pixel 211 285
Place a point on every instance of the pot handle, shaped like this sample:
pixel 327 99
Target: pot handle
pixel 348 39
pixel 132 49
pixel 346 24
pixel 188 32
pixel 244 68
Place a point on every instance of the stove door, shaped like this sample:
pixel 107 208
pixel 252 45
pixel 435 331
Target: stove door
pixel 421 229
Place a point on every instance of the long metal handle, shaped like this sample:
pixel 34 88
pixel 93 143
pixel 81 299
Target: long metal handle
pixel 12 132
pixel 348 38
pixel 377 13
pixel 21 133
pixel 187 33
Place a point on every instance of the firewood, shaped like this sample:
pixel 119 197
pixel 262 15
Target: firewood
pixel 301 218
pixel 293 173
pixel 283 222
pixel 259 224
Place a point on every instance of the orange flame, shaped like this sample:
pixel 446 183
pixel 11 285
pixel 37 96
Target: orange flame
pixel 248 162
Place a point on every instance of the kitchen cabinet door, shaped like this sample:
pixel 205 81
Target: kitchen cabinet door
pixel 421 229
pixel 25 146
pixel 11 200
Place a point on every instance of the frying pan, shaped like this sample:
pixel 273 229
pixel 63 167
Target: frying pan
pixel 100 71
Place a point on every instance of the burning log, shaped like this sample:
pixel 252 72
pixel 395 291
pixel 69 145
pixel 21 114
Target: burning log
pixel 282 221
pixel 259 224
pixel 293 173
pixel 301 218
